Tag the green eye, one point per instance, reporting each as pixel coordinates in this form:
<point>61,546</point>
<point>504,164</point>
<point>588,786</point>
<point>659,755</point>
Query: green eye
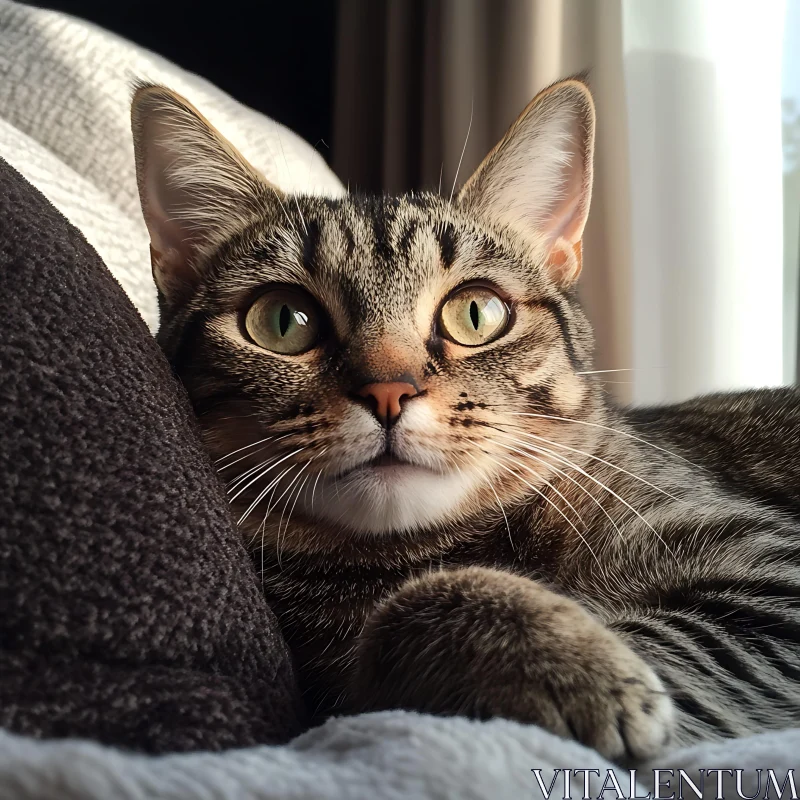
<point>474,316</point>
<point>284,321</point>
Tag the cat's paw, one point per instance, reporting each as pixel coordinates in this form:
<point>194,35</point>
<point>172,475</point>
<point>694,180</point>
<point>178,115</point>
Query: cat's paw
<point>485,643</point>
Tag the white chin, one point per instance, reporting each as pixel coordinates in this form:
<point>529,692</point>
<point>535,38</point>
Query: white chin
<point>402,497</point>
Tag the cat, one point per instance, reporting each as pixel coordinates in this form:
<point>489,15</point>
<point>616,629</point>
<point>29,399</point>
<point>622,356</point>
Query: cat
<point>446,511</point>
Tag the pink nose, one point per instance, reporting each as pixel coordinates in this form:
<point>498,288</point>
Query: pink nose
<point>385,399</point>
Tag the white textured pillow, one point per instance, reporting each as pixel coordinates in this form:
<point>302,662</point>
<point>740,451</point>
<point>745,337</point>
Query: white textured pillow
<point>65,88</point>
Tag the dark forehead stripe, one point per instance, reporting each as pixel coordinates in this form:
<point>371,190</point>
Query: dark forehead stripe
<point>489,249</point>
<point>407,238</point>
<point>446,236</point>
<point>380,213</point>
<point>349,239</point>
<point>310,245</point>
<point>383,219</point>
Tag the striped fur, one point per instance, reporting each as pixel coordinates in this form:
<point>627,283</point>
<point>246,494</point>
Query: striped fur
<point>627,578</point>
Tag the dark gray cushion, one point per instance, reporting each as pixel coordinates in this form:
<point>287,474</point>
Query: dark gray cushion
<point>129,610</point>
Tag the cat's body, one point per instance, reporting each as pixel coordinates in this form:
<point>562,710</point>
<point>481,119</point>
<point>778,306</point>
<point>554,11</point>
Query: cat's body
<point>446,513</point>
<point>717,618</point>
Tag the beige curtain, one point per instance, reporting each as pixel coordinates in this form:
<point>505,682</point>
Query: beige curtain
<point>412,73</point>
<point>683,275</point>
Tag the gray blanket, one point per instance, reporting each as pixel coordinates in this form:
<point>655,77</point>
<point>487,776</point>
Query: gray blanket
<point>390,755</point>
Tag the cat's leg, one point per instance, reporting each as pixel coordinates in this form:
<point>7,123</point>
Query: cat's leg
<point>485,643</point>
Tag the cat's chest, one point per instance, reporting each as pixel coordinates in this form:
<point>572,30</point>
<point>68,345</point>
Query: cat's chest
<point>320,598</point>
<point>322,603</point>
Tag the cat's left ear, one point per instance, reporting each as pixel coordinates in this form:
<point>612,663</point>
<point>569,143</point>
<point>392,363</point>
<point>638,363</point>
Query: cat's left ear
<point>538,180</point>
<point>196,189</point>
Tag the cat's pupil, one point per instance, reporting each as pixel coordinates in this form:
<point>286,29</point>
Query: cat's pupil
<point>474,314</point>
<point>284,319</point>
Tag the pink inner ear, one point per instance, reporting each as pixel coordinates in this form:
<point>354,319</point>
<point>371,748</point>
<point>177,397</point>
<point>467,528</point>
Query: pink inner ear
<point>568,218</point>
<point>565,261</point>
<point>538,180</point>
<point>171,241</point>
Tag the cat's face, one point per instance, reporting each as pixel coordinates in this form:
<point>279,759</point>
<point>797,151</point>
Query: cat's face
<point>372,363</point>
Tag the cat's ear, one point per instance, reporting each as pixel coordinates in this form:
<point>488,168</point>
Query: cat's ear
<point>195,187</point>
<point>538,179</point>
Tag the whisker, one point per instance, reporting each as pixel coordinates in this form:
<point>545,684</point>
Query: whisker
<point>294,196</point>
<point>314,489</point>
<point>246,447</point>
<point>602,371</point>
<point>288,519</point>
<point>601,460</point>
<point>463,149</point>
<point>269,469</point>
<point>574,466</point>
<point>247,473</point>
<point>241,458</point>
<point>503,512</point>
<point>272,485</point>
<point>541,477</point>
<point>548,500</point>
<point>603,427</point>
<point>568,477</point>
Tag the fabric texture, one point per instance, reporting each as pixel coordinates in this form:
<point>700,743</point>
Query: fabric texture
<point>389,755</point>
<point>131,613</point>
<point>65,89</point>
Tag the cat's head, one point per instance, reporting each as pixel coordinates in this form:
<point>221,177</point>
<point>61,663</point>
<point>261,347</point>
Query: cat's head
<point>376,363</point>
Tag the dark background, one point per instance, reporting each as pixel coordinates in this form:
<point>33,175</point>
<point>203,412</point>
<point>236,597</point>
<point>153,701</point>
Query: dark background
<point>273,55</point>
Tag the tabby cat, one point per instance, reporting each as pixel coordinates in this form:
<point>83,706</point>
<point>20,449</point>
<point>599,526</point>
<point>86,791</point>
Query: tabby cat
<point>445,509</point>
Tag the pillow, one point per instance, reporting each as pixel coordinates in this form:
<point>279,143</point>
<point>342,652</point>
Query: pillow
<point>65,125</point>
<point>130,611</point>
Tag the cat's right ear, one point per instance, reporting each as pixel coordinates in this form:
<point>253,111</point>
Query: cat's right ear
<point>196,189</point>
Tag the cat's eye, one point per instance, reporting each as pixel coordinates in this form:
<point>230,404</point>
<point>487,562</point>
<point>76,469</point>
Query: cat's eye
<point>284,320</point>
<point>474,316</point>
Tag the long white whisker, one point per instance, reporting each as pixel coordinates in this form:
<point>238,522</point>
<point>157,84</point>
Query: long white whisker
<point>241,458</point>
<point>273,484</point>
<point>314,489</point>
<point>463,149</point>
<point>496,497</point>
<point>602,371</point>
<point>246,447</point>
<point>603,427</point>
<point>548,500</point>
<point>233,483</point>
<point>288,519</point>
<point>601,460</point>
<point>541,477</point>
<point>568,477</point>
<point>269,469</point>
<point>503,512</point>
<point>574,466</point>
<point>271,505</point>
<point>247,473</point>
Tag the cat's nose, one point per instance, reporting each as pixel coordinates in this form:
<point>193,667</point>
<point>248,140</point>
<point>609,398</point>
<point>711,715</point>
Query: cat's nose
<point>385,399</point>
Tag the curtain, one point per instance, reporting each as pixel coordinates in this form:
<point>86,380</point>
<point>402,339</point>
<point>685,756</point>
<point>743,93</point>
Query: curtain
<point>682,270</point>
